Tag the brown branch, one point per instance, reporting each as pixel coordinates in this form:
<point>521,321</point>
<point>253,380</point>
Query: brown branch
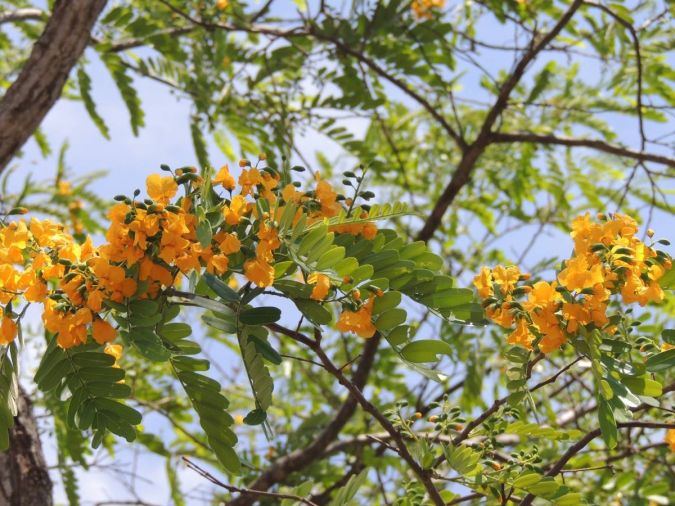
<point>341,46</point>
<point>301,458</point>
<point>506,137</point>
<point>401,85</point>
<point>40,82</point>
<point>125,44</point>
<point>24,479</point>
<point>466,498</point>
<point>470,156</point>
<point>581,444</point>
<point>243,491</point>
<point>27,14</point>
<point>424,475</point>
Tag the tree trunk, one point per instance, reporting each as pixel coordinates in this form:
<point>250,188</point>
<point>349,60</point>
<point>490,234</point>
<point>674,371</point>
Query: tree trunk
<point>44,74</point>
<point>24,478</point>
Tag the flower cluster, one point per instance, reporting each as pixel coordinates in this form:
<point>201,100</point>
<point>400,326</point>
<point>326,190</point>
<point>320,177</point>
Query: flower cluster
<point>360,321</point>
<point>608,260</point>
<point>151,244</point>
<point>423,9</point>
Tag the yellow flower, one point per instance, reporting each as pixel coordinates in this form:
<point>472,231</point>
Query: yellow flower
<point>229,243</point>
<point>269,182</point>
<point>63,188</point>
<point>670,439</point>
<point>235,211</point>
<point>218,264</point>
<point>483,282</point>
<point>321,284</point>
<point>258,271</point>
<point>268,241</point>
<point>103,332</point>
<point>521,336</point>
<point>327,197</point>
<point>248,180</point>
<point>161,189</point>
<point>290,194</point>
<point>579,274</point>
<point>8,330</point>
<point>501,316</point>
<point>543,295</point>
<point>360,321</point>
<point>423,8</point>
<point>506,277</point>
<point>224,178</point>
<point>114,350</point>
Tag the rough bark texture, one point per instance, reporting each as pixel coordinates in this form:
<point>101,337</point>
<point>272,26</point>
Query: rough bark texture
<point>42,78</point>
<point>24,479</point>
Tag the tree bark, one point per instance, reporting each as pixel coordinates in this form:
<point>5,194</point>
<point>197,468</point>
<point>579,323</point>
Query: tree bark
<point>44,74</point>
<point>24,478</point>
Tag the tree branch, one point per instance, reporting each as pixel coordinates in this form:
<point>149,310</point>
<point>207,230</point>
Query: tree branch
<point>599,145</point>
<point>461,175</point>
<point>581,444</point>
<point>243,491</point>
<point>423,474</point>
<point>301,458</point>
<point>27,14</point>
<point>39,85</point>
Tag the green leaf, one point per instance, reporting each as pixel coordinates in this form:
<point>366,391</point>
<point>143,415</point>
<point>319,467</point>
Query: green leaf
<point>210,405</point>
<point>148,343</point>
<point>448,298</point>
<point>667,281</point>
<point>199,143</point>
<point>425,350</point>
<point>399,335</point>
<point>260,315</point>
<point>345,494</point>
<point>221,322</point>
<point>255,417</point>
<point>462,459</point>
<point>643,386</point>
<point>668,336</point>
<point>526,480</point>
<point>390,319</point>
<point>607,423</point>
<point>144,307</point>
<point>314,311</point>
<point>330,258</point>
<point>84,83</point>
<point>388,300</point>
<point>265,349</point>
<point>220,288</point>
<point>259,375</point>
<point>175,331</point>
<point>204,233</point>
<point>124,83</point>
<point>661,361</point>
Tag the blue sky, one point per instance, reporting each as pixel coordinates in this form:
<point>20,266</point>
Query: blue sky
<point>166,139</point>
